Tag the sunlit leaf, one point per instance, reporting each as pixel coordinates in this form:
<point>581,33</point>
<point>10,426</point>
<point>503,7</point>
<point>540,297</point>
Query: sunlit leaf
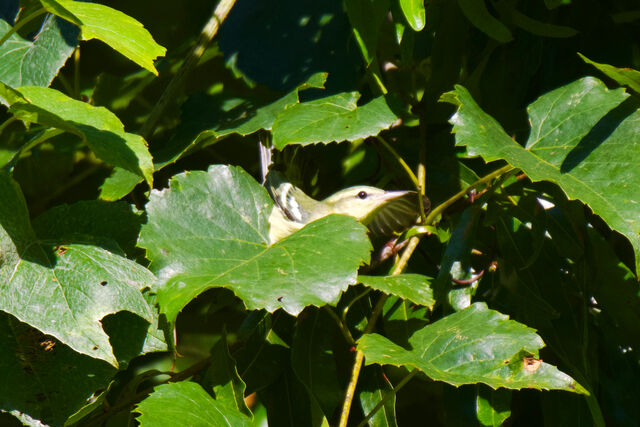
<point>624,76</point>
<point>493,407</point>
<point>334,118</point>
<point>579,140</point>
<point>211,229</point>
<point>100,128</point>
<point>186,403</point>
<point>37,62</point>
<point>414,13</point>
<point>413,287</point>
<point>475,345</point>
<point>65,288</point>
<point>118,30</point>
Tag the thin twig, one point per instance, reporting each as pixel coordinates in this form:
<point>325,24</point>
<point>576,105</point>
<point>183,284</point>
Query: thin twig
<point>208,33</point>
<point>345,331</point>
<point>485,179</point>
<point>357,365</point>
<point>400,266</point>
<point>401,161</point>
<point>345,311</point>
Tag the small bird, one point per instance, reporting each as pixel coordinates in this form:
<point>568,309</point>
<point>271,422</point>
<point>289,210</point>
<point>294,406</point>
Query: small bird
<point>293,209</point>
<point>384,212</point>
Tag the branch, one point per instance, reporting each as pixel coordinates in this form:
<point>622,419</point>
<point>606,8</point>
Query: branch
<point>208,33</point>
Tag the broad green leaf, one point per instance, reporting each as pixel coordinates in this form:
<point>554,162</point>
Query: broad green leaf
<point>100,128</point>
<point>493,406</point>
<point>64,288</point>
<point>205,122</point>
<point>334,118</point>
<point>366,17</point>
<point>413,287</point>
<point>372,388</point>
<point>288,403</point>
<point>624,76</point>
<point>223,379</point>
<point>186,404</point>
<point>42,378</point>
<point>475,345</point>
<point>579,140</point>
<point>263,356</point>
<point>118,30</point>
<point>314,362</point>
<point>476,12</point>
<point>414,12</point>
<point>37,62</point>
<point>211,229</point>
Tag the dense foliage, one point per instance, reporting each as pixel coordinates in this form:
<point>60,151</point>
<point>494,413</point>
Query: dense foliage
<point>138,284</point>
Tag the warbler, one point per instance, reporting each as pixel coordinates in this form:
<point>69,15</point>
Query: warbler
<point>384,212</point>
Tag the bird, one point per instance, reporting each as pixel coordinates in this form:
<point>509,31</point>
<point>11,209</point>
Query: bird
<point>384,212</point>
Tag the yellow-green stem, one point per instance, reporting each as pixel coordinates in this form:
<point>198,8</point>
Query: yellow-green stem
<point>485,179</point>
<point>357,364</point>
<point>388,396</point>
<point>21,23</point>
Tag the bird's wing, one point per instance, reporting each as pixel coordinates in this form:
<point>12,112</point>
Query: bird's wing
<point>397,215</point>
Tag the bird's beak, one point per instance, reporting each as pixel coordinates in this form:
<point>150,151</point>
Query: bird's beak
<point>390,195</point>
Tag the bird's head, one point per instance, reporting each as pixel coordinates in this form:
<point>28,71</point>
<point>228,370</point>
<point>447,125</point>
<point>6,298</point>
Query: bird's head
<point>360,202</point>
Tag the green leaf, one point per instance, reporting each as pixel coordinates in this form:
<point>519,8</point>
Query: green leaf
<point>64,288</point>
<point>366,17</point>
<point>493,406</point>
<point>223,379</point>
<point>42,378</point>
<point>118,30</point>
<point>119,184</point>
<point>288,403</point>
<point>313,359</point>
<point>372,388</point>
<point>37,62</point>
<point>475,345</point>
<point>552,4</point>
<point>476,12</point>
<point>579,140</point>
<point>334,118</point>
<point>201,126</point>
<point>414,12</point>
<point>624,76</point>
<point>186,404</point>
<point>100,128</point>
<point>264,356</point>
<point>413,287</point>
<point>211,229</point>
<point>117,221</point>
<point>534,26</point>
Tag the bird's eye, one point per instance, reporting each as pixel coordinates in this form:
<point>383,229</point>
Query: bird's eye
<point>362,195</point>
